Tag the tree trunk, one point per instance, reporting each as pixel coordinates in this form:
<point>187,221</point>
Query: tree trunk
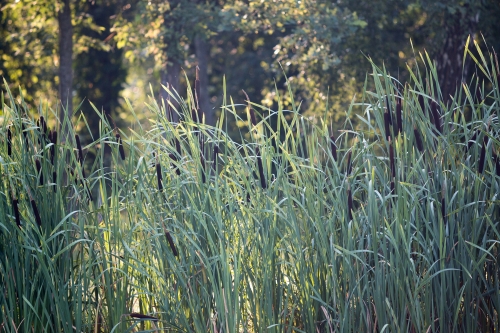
<point>170,74</point>
<point>202,54</point>
<point>450,57</point>
<point>65,60</point>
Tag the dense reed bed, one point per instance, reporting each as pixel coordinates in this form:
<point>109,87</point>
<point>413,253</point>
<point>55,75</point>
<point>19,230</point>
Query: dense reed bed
<point>388,227</point>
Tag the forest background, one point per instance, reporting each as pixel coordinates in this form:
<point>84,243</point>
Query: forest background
<point>107,51</point>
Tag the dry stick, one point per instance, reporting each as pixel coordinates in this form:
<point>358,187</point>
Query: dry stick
<point>142,316</point>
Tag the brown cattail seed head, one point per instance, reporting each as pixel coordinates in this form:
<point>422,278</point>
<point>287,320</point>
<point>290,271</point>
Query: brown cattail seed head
<point>252,117</point>
<point>399,115</point>
<point>482,156</point>
<point>178,147</point>
<point>436,115</point>
<point>39,170</point>
<point>261,168</point>
<point>216,155</point>
<point>418,139</point>
<point>349,164</point>
<point>333,147</point>
<point>25,134</point>
<point>80,150</point>
<point>421,102</point>
<point>349,202</point>
<point>120,146</point>
<point>391,159</point>
<point>159,177</point>
<point>15,206</point>
<point>9,142</point>
<point>172,244</point>
<point>43,125</point>
<point>173,158</point>
<point>36,213</point>
<point>388,106</point>
<point>387,120</point>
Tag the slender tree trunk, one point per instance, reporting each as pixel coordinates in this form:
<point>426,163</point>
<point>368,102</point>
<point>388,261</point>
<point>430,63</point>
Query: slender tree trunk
<point>65,60</point>
<point>170,74</point>
<point>450,57</point>
<point>202,54</point>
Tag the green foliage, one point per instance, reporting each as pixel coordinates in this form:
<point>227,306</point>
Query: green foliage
<point>393,227</point>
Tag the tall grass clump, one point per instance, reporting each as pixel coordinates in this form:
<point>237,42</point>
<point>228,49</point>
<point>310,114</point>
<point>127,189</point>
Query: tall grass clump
<point>389,227</point>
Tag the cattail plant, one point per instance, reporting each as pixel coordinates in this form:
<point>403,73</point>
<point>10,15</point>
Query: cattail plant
<point>197,89</point>
<point>120,146</point>
<point>25,135</point>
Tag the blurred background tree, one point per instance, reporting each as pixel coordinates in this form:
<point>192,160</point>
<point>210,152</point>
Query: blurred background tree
<point>122,46</point>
